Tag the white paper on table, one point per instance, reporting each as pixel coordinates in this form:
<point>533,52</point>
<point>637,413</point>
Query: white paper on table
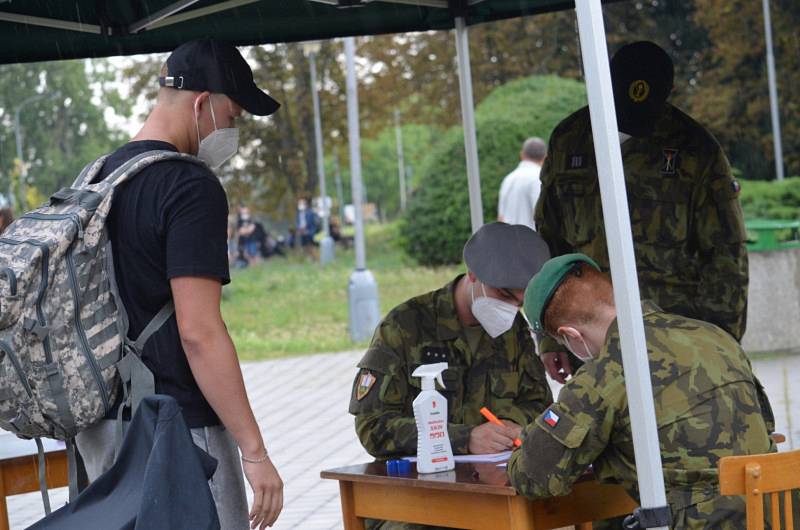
<point>491,457</point>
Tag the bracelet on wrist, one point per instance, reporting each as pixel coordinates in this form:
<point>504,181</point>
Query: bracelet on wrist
<point>256,460</point>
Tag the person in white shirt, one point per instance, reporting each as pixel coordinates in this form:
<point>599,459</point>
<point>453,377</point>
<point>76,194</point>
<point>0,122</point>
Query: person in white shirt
<point>520,189</point>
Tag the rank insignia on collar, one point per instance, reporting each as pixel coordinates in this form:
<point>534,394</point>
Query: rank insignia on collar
<point>576,161</point>
<point>365,382</point>
<point>670,161</point>
<point>551,418</point>
<point>435,355</point>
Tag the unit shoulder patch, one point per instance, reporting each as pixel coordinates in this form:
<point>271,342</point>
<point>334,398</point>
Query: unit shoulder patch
<point>365,383</point>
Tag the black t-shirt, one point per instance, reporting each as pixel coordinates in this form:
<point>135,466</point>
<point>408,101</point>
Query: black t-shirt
<point>170,220</point>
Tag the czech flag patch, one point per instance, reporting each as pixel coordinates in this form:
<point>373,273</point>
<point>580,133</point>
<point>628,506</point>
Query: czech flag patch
<point>551,418</point>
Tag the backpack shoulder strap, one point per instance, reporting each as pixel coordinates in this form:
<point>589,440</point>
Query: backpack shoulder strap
<point>89,172</point>
<point>133,166</point>
<point>154,325</point>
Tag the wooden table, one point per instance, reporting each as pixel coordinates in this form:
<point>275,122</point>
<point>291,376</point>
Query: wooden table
<point>19,469</point>
<point>473,496</point>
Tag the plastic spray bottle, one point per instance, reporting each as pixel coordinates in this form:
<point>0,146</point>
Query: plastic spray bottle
<point>434,452</point>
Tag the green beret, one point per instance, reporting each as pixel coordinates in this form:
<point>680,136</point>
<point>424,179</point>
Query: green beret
<point>544,284</point>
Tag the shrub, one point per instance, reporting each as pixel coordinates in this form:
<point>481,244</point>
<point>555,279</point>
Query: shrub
<point>771,199</point>
<point>437,221</point>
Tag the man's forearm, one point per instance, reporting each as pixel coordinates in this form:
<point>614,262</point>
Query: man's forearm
<point>216,369</point>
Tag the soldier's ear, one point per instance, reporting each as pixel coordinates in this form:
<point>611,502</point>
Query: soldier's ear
<point>472,277</point>
<point>567,331</point>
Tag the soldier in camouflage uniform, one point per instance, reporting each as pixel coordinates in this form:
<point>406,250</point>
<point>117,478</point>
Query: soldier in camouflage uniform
<point>492,361</point>
<point>686,218</point>
<point>706,401</point>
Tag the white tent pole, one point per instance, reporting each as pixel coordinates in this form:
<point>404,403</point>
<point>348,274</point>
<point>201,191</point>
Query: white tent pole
<point>620,250</point>
<point>468,118</point>
<point>773,94</point>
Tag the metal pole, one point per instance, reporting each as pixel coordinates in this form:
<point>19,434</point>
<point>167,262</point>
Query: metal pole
<point>638,382</point>
<point>401,166</point>
<point>355,150</point>
<point>339,192</point>
<point>18,134</point>
<point>327,249</point>
<point>362,290</point>
<point>468,119</point>
<point>773,94</point>
<point>312,59</point>
<point>22,169</point>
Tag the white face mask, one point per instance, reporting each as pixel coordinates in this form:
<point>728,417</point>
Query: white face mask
<point>219,146</point>
<point>496,317</point>
<point>585,358</point>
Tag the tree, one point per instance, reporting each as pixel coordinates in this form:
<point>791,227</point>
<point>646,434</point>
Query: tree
<point>437,222</point>
<point>61,133</point>
<point>735,101</point>
<point>380,166</point>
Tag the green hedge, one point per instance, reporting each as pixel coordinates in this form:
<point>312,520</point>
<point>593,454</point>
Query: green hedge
<point>771,199</point>
<point>437,221</point>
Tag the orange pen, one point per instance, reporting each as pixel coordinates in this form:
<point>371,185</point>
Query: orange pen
<point>493,419</point>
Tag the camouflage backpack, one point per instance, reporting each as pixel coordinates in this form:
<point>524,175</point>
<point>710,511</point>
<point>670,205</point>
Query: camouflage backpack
<point>63,329</point>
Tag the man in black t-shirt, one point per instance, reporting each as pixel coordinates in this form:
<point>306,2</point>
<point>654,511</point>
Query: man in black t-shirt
<point>168,231</point>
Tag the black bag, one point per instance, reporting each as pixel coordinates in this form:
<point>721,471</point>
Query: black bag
<point>158,482</point>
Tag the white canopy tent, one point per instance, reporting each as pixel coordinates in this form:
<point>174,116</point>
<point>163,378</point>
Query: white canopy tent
<point>617,225</point>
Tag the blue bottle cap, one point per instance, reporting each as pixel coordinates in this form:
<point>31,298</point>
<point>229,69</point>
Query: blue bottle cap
<point>403,467</point>
<point>391,467</point>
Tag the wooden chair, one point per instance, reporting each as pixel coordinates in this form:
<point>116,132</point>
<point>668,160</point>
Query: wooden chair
<point>756,475</point>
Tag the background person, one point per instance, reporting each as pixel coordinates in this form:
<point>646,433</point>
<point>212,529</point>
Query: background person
<point>520,189</point>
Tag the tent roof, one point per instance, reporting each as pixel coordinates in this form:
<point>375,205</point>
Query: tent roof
<point>38,30</point>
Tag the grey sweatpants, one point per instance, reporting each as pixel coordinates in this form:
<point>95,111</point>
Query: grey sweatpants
<point>96,446</point>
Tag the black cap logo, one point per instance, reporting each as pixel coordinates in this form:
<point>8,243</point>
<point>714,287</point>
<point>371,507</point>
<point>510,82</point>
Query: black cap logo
<point>639,90</point>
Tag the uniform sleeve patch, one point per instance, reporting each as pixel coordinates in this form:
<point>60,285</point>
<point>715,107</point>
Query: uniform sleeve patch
<point>551,418</point>
<point>562,426</point>
<point>365,383</point>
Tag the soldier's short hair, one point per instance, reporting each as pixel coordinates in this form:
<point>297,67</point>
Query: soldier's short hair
<point>578,299</point>
<point>534,149</point>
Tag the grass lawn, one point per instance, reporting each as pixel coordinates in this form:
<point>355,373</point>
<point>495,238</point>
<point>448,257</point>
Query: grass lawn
<point>293,306</point>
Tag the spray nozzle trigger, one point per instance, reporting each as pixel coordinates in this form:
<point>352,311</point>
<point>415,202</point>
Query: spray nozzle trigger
<point>429,372</point>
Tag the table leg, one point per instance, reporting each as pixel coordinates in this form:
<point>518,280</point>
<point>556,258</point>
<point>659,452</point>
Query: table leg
<point>351,521</point>
<point>3,507</point>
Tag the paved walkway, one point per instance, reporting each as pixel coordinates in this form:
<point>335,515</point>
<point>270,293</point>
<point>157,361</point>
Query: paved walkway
<point>301,404</point>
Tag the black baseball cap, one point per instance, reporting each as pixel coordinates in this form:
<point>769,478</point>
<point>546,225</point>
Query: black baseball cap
<point>641,75</point>
<point>218,67</point>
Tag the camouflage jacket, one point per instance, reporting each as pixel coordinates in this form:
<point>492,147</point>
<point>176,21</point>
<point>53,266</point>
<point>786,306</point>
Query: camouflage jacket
<point>707,407</point>
<point>504,375</point>
<point>687,223</point>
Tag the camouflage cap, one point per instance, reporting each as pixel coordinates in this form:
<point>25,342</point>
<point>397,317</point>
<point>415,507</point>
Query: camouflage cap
<point>505,256</point>
<point>546,282</point>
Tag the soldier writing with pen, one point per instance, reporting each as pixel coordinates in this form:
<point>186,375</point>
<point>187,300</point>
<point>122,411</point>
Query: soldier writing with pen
<point>705,395</point>
<point>473,324</point>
